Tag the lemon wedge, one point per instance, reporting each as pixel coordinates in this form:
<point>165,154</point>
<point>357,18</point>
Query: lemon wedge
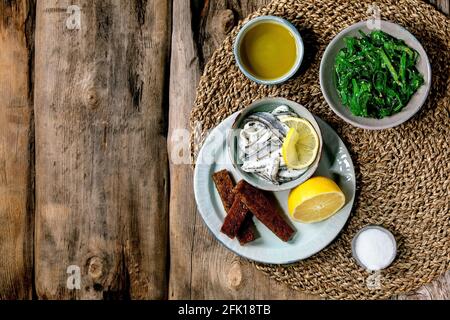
<point>301,145</point>
<point>315,200</point>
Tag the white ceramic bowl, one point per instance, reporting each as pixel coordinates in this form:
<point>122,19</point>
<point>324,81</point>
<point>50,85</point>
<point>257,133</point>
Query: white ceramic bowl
<point>284,23</point>
<point>328,77</point>
<point>268,104</point>
<point>368,227</point>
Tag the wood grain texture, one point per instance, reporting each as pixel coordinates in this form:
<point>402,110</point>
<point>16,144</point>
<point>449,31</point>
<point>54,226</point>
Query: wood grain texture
<point>101,164</point>
<point>200,267</point>
<point>16,116</point>
<point>441,5</point>
<point>437,290</point>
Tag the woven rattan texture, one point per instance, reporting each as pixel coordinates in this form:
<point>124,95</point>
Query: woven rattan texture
<point>403,174</point>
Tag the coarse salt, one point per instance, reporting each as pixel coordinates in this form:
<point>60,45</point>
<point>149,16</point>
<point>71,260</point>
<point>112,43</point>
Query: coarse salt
<point>375,249</point>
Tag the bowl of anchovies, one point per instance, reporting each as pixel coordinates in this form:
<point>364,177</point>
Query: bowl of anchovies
<point>375,77</point>
<point>256,140</point>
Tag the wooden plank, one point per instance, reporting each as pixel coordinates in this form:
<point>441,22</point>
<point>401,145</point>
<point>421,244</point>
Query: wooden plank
<point>201,268</point>
<point>437,290</point>
<point>16,164</point>
<point>441,5</point>
<point>101,164</point>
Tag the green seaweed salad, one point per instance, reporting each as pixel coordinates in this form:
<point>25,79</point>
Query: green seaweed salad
<point>376,74</point>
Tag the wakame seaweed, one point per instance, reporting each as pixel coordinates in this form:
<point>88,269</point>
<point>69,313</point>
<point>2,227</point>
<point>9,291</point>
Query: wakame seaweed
<point>376,74</point>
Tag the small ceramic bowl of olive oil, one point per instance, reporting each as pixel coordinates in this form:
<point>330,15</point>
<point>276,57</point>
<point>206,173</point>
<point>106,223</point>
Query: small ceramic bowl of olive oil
<point>268,50</point>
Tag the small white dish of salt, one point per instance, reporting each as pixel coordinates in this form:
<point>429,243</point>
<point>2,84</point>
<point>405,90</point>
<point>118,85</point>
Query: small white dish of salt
<point>374,248</point>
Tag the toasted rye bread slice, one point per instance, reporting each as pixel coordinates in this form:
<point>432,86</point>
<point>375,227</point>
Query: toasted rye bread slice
<point>264,210</point>
<point>245,230</point>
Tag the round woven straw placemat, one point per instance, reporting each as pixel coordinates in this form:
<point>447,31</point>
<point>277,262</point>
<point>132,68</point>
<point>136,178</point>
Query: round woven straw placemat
<point>403,174</point>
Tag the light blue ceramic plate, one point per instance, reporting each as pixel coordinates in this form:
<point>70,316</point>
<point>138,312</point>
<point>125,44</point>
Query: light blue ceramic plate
<point>309,239</point>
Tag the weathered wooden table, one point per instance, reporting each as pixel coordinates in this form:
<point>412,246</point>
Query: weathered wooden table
<point>91,93</point>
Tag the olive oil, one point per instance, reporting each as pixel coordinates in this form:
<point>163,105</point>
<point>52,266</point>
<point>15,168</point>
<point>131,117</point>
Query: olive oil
<point>268,51</point>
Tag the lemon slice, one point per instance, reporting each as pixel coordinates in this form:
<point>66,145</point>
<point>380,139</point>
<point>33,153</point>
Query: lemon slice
<point>301,144</point>
<point>315,200</point>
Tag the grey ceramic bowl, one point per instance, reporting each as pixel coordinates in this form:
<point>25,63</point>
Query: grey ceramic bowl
<point>328,77</point>
<point>373,226</point>
<point>268,104</point>
<point>284,23</point>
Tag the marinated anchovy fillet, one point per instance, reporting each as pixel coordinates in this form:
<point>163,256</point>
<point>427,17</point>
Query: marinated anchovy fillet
<point>264,210</point>
<point>283,112</point>
<point>260,142</point>
<point>224,185</point>
<point>271,122</point>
